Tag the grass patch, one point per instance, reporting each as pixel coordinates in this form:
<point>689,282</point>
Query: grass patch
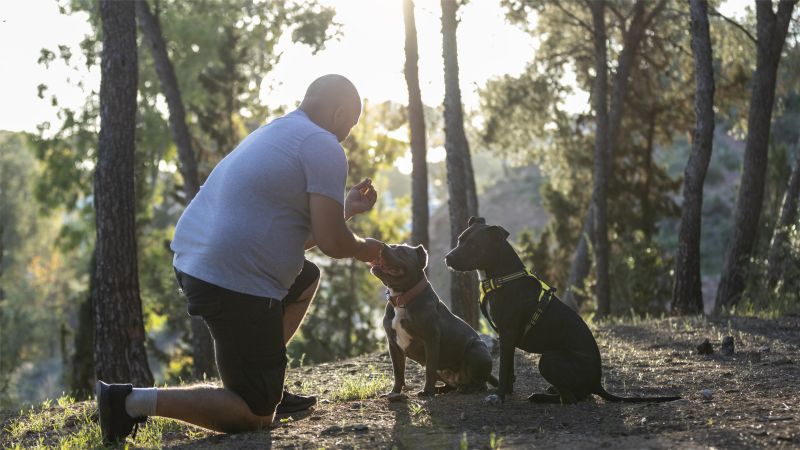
<point>362,386</point>
<point>69,425</point>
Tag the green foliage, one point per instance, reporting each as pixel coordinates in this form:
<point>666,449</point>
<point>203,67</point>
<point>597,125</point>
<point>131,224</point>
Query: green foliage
<point>526,118</point>
<point>38,281</point>
<point>641,275</point>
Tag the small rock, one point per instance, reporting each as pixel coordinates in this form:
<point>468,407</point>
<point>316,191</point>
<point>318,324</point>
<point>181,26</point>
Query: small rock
<point>643,421</point>
<point>298,383</point>
<point>705,348</point>
<point>396,396</point>
<point>463,415</point>
<point>492,400</point>
<point>356,405</point>
<point>707,394</point>
<point>324,401</point>
<point>360,427</point>
<point>315,418</point>
<point>727,346</point>
<point>764,349</point>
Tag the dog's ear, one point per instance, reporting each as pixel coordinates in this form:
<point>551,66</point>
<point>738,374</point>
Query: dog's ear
<point>500,232</point>
<point>422,256</point>
<point>473,220</point>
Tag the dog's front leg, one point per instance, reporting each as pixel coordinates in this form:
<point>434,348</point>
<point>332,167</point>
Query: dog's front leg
<point>432,344</point>
<point>398,366</point>
<point>506,371</point>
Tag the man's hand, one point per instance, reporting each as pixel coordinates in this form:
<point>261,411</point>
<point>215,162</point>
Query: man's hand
<point>369,250</point>
<point>360,199</point>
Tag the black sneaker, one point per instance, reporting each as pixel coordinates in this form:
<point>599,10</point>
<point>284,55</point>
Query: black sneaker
<point>293,403</point>
<point>115,423</point>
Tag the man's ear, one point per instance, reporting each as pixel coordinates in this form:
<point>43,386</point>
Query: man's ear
<point>422,256</point>
<point>500,231</point>
<point>473,220</point>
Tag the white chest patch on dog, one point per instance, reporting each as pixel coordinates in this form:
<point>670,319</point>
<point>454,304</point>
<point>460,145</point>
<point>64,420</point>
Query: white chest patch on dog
<point>402,336</point>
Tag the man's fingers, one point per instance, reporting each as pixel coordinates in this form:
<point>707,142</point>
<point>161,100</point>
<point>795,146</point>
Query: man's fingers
<point>372,195</point>
<point>366,182</point>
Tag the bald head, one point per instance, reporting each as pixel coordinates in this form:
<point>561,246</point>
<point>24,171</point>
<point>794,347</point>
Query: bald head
<point>333,103</point>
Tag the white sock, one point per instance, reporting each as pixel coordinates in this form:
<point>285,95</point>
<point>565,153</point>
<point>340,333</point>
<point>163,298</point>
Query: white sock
<point>141,402</point>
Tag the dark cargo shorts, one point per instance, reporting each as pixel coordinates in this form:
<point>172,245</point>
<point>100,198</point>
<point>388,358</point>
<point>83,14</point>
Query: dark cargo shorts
<point>248,336</point>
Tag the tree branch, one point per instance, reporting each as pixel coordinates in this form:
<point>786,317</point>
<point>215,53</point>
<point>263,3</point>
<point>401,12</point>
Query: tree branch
<point>573,16</point>
<point>714,12</point>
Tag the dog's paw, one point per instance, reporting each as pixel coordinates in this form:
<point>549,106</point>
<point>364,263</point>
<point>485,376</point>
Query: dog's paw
<point>394,396</point>
<point>493,400</point>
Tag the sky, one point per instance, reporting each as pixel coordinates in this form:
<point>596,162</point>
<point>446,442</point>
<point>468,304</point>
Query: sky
<point>370,53</point>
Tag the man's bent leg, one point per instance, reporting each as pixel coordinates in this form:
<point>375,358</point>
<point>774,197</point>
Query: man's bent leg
<point>297,301</point>
<point>250,354</point>
<point>217,409</point>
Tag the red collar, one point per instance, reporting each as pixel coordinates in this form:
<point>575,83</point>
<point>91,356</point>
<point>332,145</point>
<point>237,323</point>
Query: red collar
<point>403,299</point>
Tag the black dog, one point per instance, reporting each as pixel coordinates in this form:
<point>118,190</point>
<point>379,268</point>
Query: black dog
<point>420,326</point>
<point>529,316</point>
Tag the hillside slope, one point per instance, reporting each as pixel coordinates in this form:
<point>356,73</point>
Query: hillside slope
<point>751,401</point>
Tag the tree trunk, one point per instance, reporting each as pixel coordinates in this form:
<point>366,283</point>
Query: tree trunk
<point>648,225</point>
<point>81,379</point>
<point>601,162</point>
<point>780,237</point>
<point>202,344</point>
<point>581,263</point>
<point>687,294</point>
<point>771,28</point>
<point>463,286</point>
<point>119,330</point>
<point>416,123</point>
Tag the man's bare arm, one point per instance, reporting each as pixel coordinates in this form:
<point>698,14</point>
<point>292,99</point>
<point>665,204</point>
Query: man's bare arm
<point>330,233</point>
<point>360,199</point>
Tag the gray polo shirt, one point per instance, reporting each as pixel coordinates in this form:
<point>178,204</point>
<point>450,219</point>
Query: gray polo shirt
<point>246,228</point>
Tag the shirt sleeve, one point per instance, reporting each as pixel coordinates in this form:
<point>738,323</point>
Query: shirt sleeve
<point>324,165</point>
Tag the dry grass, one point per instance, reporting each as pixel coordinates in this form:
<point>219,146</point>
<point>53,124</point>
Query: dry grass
<point>755,395</point>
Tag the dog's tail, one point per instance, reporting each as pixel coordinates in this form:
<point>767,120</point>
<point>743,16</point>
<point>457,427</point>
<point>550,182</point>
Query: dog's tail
<point>613,398</point>
<point>493,381</point>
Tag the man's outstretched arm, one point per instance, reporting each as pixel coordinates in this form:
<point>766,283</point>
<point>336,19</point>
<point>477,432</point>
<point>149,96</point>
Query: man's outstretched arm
<point>330,232</point>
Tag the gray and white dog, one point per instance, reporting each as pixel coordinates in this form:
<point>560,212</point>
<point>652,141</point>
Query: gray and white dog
<point>419,326</point>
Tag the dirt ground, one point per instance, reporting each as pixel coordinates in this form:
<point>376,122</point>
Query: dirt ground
<point>752,398</point>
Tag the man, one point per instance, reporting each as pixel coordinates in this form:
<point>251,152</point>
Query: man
<point>239,260</point>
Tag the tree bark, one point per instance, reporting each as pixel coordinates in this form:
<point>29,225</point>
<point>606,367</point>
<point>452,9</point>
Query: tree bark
<point>119,330</point>
<point>771,32</point>
<point>687,294</point>
<point>202,344</point>
<point>416,123</point>
<point>81,379</point>
<point>581,263</point>
<point>780,237</point>
<point>463,286</point>
<point>601,162</point>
